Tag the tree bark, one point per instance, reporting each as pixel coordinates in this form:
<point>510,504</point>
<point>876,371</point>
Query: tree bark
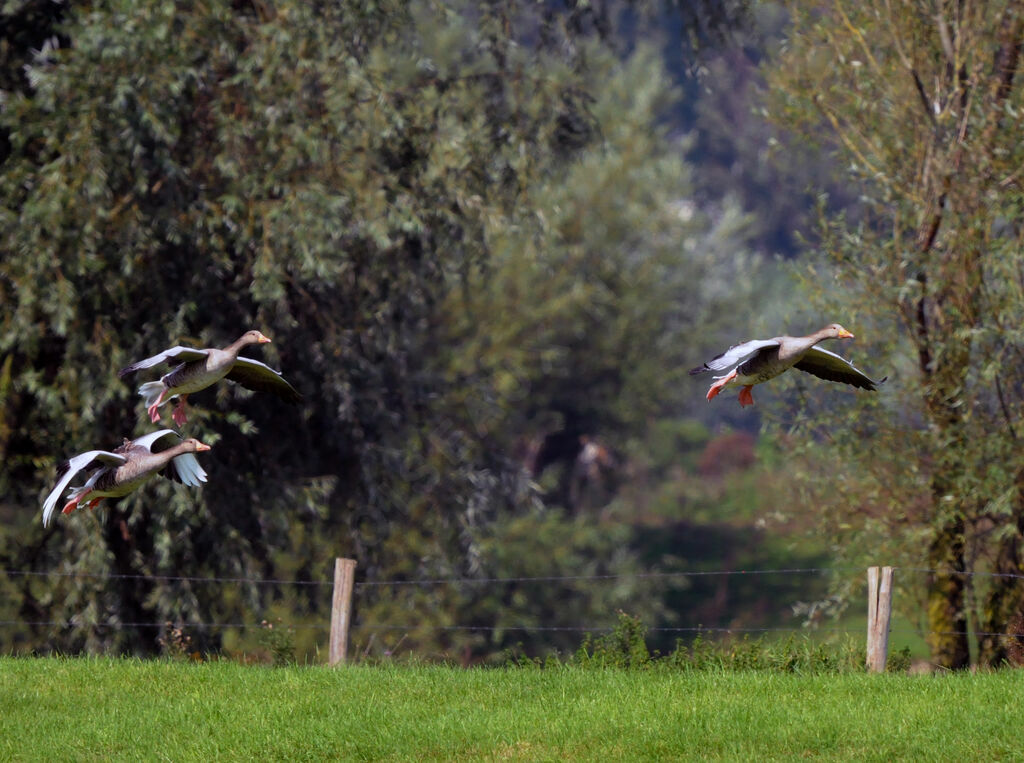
<point>1006,594</point>
<point>947,616</point>
<point>1005,598</point>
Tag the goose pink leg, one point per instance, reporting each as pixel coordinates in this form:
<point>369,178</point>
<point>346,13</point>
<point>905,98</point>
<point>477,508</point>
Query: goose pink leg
<point>746,396</point>
<point>719,385</point>
<point>154,414</point>
<point>179,414</point>
<point>72,505</point>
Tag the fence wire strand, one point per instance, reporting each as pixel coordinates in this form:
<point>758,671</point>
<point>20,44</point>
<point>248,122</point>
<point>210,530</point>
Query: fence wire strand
<point>427,581</point>
<point>490,580</point>
<point>376,584</point>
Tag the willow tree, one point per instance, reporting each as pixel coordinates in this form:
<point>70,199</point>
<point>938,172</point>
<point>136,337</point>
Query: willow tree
<point>438,212</point>
<point>921,103</point>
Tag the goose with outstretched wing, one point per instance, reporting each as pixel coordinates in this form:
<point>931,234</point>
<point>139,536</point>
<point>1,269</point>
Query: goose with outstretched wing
<point>118,472</point>
<point>759,360</point>
<point>201,368</point>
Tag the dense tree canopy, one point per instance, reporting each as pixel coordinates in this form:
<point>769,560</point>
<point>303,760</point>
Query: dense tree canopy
<point>462,227</point>
<point>921,101</point>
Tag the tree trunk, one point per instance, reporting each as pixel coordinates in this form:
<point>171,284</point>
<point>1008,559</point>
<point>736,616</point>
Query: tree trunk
<point>947,616</point>
<point>1005,599</point>
<point>947,584</point>
<point>130,590</point>
<point>1003,602</point>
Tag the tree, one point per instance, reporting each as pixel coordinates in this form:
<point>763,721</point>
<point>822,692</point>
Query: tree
<point>919,102</point>
<point>450,220</point>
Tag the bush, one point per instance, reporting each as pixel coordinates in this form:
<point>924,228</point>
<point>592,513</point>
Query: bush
<point>623,647</point>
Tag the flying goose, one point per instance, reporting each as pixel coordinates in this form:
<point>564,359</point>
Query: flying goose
<point>200,369</point>
<point>123,470</point>
<point>763,359</point>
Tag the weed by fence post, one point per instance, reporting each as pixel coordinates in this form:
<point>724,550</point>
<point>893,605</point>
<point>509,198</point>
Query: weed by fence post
<point>879,613</point>
<point>341,609</point>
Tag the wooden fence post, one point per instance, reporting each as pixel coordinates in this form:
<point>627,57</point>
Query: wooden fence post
<point>341,609</point>
<point>879,614</point>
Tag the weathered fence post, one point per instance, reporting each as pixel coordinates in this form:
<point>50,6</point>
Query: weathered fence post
<point>341,609</point>
<point>879,614</point>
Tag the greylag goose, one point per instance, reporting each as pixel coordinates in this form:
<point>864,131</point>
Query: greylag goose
<point>763,359</point>
<point>201,368</point>
<point>123,470</point>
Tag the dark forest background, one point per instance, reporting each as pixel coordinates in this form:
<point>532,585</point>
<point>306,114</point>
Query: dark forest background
<point>488,240</point>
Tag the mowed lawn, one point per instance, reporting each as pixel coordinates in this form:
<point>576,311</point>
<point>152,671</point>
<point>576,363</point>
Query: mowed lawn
<point>99,708</point>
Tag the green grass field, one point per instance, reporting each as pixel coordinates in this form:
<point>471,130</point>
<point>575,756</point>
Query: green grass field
<point>99,708</point>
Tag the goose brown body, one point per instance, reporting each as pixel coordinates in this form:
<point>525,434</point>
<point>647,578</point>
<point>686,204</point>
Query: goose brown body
<point>123,470</point>
<point>759,360</point>
<point>201,368</point>
<point>140,466</point>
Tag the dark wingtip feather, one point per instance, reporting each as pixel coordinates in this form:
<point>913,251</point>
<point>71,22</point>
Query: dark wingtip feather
<point>289,394</point>
<point>699,369</point>
<point>876,382</point>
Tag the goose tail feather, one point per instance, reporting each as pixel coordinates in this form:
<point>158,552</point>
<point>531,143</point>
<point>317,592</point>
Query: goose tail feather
<point>150,392</point>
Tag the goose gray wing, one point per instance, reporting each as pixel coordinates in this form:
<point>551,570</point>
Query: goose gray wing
<point>173,355</point>
<point>68,469</point>
<point>167,438</point>
<point>260,377</point>
<point>831,367</point>
<point>734,355</point>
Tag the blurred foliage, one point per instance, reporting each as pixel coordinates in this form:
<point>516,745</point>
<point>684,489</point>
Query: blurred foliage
<point>920,109</point>
<point>467,230</point>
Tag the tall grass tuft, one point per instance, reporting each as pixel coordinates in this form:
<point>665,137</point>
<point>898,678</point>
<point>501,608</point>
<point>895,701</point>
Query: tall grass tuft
<point>625,647</point>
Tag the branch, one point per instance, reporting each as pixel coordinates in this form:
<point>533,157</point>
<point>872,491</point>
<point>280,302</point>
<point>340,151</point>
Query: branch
<point>1006,411</point>
<point>909,66</point>
<point>1007,60</point>
<point>924,353</point>
<point>850,145</point>
<point>859,36</point>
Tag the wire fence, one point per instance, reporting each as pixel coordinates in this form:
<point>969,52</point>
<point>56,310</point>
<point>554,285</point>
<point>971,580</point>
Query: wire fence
<point>432,581</point>
<point>463,581</point>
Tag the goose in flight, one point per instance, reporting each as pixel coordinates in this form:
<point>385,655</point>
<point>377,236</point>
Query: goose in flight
<point>201,368</point>
<point>118,472</point>
<point>759,360</point>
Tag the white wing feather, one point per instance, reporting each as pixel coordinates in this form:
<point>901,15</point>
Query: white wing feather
<point>738,353</point>
<point>189,470</point>
<point>149,440</point>
<point>75,465</point>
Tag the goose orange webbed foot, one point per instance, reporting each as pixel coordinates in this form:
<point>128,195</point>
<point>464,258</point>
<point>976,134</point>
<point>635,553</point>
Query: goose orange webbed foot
<point>746,396</point>
<point>154,412</point>
<point>179,415</point>
<point>719,385</point>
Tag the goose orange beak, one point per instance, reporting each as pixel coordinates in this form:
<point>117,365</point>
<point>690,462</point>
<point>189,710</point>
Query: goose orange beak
<point>844,334</point>
<point>202,446</point>
<point>263,339</point>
